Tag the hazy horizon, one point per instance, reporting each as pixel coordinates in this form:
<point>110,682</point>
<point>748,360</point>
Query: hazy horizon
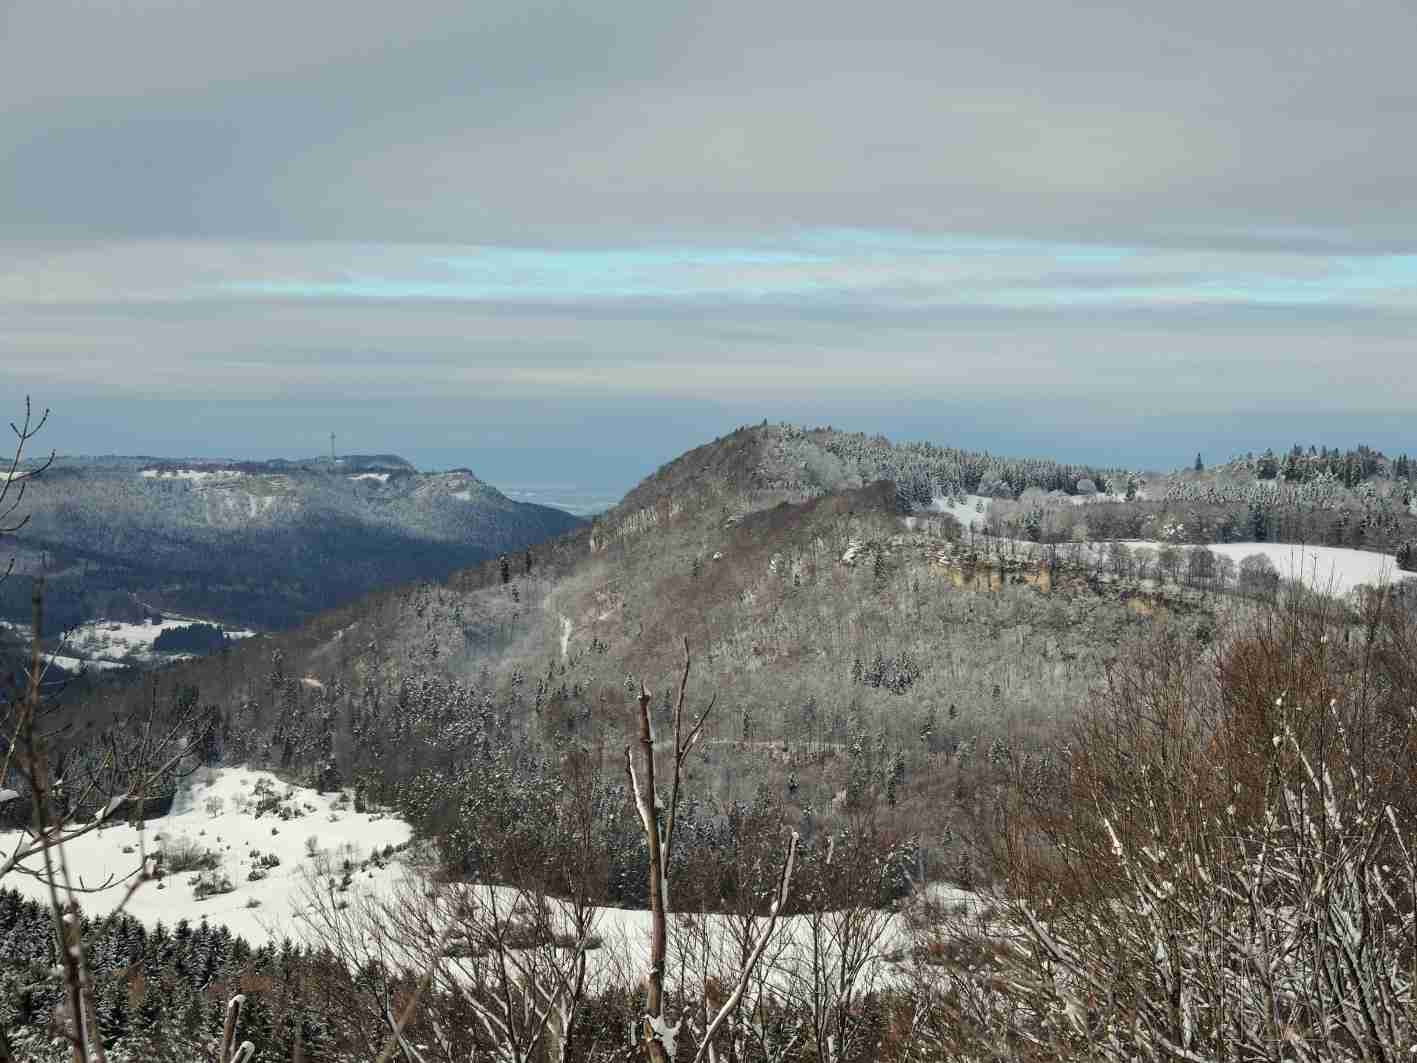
<point>525,453</point>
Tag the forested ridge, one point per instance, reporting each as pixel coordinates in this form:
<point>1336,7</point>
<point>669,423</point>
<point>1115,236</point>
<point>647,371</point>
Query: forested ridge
<point>257,544</point>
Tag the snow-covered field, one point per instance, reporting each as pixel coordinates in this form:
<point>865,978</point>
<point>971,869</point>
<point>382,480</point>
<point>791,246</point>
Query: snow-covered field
<point>622,950</point>
<point>1332,569</point>
<point>216,810</point>
<point>113,640</point>
<point>1323,568</point>
<point>973,508</point>
<point>75,664</point>
<point>195,475</point>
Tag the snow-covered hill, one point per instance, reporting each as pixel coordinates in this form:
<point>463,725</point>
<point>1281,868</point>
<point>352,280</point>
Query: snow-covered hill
<point>247,822</point>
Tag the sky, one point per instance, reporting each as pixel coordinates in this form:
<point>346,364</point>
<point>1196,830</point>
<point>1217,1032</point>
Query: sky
<point>562,242</point>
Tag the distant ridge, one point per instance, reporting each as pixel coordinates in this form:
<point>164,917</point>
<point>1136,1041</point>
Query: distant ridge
<point>256,543</point>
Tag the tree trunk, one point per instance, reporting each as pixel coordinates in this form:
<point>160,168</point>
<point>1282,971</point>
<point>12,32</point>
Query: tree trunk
<point>650,815</point>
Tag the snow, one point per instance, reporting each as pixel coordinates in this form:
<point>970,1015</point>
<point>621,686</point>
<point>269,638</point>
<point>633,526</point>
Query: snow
<point>466,496</point>
<point>76,664</point>
<point>113,640</point>
<point>1329,569</point>
<point>382,477</point>
<point>194,475</point>
<point>972,509</point>
<point>624,935</point>
<point>1333,569</point>
<point>1322,568</point>
<point>666,1034</point>
<point>233,832</point>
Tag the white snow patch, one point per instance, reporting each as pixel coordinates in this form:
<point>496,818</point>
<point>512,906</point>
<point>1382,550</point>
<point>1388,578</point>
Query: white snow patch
<point>114,640</point>
<point>194,475</point>
<point>972,509</point>
<point>1331,569</point>
<point>1323,568</point>
<point>76,664</point>
<point>382,477</point>
<point>232,833</point>
<point>466,496</point>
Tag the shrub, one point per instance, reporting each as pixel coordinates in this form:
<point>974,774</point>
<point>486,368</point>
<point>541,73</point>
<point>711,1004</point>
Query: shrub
<point>182,853</point>
<point>1258,575</point>
<point>1407,557</point>
<point>212,883</point>
<point>1152,918</point>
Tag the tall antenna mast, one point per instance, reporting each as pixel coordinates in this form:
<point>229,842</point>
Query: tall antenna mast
<point>332,446</point>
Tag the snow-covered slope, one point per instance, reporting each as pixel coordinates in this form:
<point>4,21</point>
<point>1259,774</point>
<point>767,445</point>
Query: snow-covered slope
<point>973,508</point>
<point>217,811</point>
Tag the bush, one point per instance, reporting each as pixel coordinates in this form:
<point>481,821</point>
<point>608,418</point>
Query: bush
<point>1407,557</point>
<point>187,854</point>
<point>1140,888</point>
<point>1258,575</point>
<point>212,883</point>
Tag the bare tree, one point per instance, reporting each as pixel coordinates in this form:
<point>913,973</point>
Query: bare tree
<point>17,483</point>
<point>505,962</point>
<point>840,958</point>
<point>360,969</point>
<point>714,947</point>
<point>659,1035</point>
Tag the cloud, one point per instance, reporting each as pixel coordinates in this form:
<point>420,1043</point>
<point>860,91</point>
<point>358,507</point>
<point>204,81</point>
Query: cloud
<point>471,123</point>
<point>1153,205</point>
